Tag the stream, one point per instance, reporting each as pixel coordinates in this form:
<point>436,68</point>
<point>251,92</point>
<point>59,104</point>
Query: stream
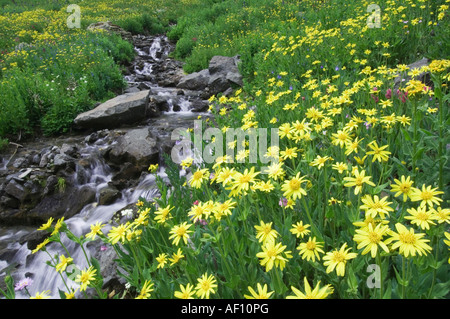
<point>95,173</point>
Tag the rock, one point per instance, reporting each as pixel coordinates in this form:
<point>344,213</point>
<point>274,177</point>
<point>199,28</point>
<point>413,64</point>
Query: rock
<point>112,28</point>
<point>9,202</point>
<point>69,150</point>
<point>107,195</point>
<point>16,190</point>
<point>58,205</point>
<point>137,146</point>
<point>195,81</point>
<point>221,75</point>
<point>124,109</point>
<point>50,185</point>
<point>34,238</point>
<point>61,161</point>
<point>423,77</point>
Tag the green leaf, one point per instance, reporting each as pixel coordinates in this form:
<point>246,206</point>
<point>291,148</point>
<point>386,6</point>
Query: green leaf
<point>406,134</point>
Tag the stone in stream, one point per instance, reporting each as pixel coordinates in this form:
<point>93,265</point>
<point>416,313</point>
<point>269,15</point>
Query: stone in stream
<point>137,146</point>
<point>124,109</point>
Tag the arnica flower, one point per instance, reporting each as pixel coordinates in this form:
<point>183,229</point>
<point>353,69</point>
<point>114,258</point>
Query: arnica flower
<point>275,171</point>
<point>225,175</point>
<point>337,259</point>
<point>408,243</point>
<point>374,206</point>
<point>421,217</point>
<point>41,246</point>
<point>264,232</point>
<point>223,209</point>
<point>185,292</point>
<point>118,233</point>
<point>176,257</point>
<point>63,263</point>
<point>241,181</point>
<point>311,249</point>
<point>179,232</point>
<point>86,277</point>
<point>42,295</point>
<point>47,225</point>
<point>379,154</point>
<point>319,161</point>
<point>95,230</point>
<point>147,288</point>
<point>206,286</point>
<point>426,196</point>
<point>442,215</point>
<point>370,238</point>
<point>317,293</point>
<point>261,294</point>
<point>198,211</point>
<point>198,177</point>
<point>271,255</point>
<point>162,260</point>
<point>299,229</point>
<point>292,188</point>
<point>402,187</point>
<point>358,181</point>
<point>447,242</point>
<point>163,214</point>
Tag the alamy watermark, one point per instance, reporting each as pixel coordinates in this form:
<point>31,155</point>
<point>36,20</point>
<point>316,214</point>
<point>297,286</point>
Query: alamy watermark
<point>374,20</point>
<point>74,20</point>
<point>207,145</point>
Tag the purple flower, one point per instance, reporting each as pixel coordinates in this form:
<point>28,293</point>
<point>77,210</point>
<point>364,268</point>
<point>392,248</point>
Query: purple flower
<point>103,248</point>
<point>336,68</point>
<point>23,284</point>
<point>283,202</point>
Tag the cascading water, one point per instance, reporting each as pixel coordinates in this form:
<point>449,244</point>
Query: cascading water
<point>34,265</point>
<point>97,175</point>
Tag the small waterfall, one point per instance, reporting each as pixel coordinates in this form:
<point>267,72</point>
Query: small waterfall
<point>92,170</point>
<point>97,174</point>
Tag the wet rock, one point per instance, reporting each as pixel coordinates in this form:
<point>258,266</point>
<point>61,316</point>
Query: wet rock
<point>9,202</point>
<point>60,204</point>
<point>17,190</point>
<point>107,195</point>
<point>195,81</point>
<point>124,109</point>
<point>137,146</point>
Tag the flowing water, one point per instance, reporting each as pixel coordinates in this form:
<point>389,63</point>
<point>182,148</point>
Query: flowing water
<point>97,175</point>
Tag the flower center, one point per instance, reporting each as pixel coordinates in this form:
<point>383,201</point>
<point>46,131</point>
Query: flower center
<point>338,257</point>
<point>404,188</point>
<point>422,216</point>
<point>198,175</point>
<point>407,238</point>
<point>358,181</point>
<point>310,245</point>
<point>374,237</point>
<point>426,195</point>
<point>294,184</point>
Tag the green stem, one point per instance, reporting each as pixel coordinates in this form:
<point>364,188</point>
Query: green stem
<point>378,258</point>
<point>414,140</point>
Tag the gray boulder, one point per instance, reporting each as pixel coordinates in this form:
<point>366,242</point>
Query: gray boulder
<point>127,108</point>
<point>221,75</point>
<point>137,146</point>
<point>404,77</point>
